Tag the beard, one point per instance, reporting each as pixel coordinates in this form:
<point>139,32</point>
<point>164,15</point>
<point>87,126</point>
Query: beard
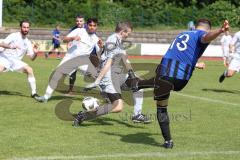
<point>24,32</point>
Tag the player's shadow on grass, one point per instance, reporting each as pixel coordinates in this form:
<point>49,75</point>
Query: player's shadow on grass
<point>136,138</point>
<point>11,93</point>
<point>110,121</point>
<point>221,90</point>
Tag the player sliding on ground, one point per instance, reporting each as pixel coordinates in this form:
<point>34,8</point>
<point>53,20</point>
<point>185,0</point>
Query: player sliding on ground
<point>111,77</point>
<point>176,68</point>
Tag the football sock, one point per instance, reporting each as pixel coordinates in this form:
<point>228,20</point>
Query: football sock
<point>163,120</point>
<point>148,83</point>
<point>48,93</point>
<point>72,80</point>
<point>105,109</point>
<point>225,73</point>
<point>138,101</point>
<point>32,82</point>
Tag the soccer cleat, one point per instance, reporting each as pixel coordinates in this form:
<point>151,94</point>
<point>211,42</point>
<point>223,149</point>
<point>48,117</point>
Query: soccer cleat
<point>132,83</point>
<point>34,95</point>
<point>79,119</point>
<point>221,78</point>
<point>41,99</point>
<point>141,118</point>
<point>168,144</point>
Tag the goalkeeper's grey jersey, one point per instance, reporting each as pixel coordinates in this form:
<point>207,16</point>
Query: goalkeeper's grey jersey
<point>236,42</point>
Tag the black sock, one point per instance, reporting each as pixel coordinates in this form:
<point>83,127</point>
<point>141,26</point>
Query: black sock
<point>148,83</point>
<point>163,120</point>
<point>72,80</point>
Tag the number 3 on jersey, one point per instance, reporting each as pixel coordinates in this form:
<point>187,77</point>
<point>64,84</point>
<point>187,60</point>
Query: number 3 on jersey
<point>182,45</point>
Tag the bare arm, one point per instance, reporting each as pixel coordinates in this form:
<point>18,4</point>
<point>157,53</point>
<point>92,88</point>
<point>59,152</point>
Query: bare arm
<point>4,45</point>
<point>104,70</point>
<point>214,34</point>
<point>126,62</point>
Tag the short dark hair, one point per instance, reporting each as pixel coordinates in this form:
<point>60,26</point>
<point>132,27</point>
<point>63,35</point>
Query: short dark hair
<point>204,21</point>
<point>79,16</point>
<point>123,26</point>
<point>24,21</point>
<point>90,20</point>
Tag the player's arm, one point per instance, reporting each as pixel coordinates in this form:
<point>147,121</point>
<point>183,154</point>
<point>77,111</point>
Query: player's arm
<point>73,35</point>
<point>214,34</point>
<point>102,73</point>
<point>32,51</point>
<point>7,46</point>
<point>126,62</point>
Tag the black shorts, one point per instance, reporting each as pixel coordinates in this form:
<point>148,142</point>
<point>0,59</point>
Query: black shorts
<point>55,46</point>
<point>163,92</point>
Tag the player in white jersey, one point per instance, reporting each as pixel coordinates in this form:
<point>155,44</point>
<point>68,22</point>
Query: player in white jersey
<point>225,42</point>
<point>11,60</point>
<point>111,76</point>
<point>83,41</point>
<point>234,65</point>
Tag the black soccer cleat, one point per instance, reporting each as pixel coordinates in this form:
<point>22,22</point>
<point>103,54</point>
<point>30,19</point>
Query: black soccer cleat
<point>168,144</point>
<point>141,118</point>
<point>221,78</point>
<point>34,95</point>
<point>132,83</point>
<point>79,119</point>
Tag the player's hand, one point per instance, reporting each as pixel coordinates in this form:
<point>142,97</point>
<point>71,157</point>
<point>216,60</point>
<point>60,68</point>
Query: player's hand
<point>91,85</point>
<point>76,38</point>
<point>225,26</point>
<point>200,65</point>
<point>100,43</point>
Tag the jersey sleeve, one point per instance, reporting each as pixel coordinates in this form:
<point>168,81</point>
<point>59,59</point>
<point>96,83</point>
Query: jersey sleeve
<point>234,39</point>
<point>9,39</point>
<point>76,32</point>
<point>222,39</point>
<point>29,49</point>
<point>111,42</point>
<point>201,34</point>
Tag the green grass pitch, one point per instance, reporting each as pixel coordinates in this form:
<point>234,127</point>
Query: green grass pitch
<point>205,120</point>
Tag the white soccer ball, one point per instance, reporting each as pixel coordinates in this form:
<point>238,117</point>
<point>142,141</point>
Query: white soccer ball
<point>90,104</point>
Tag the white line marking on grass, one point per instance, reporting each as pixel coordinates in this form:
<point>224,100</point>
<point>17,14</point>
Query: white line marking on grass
<point>135,155</point>
<point>206,99</point>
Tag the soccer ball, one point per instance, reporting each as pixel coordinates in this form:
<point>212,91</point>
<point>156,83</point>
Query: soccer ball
<point>90,104</point>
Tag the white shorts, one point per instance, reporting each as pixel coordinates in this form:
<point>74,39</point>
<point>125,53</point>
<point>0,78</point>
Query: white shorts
<point>12,64</point>
<point>113,85</point>
<point>235,64</point>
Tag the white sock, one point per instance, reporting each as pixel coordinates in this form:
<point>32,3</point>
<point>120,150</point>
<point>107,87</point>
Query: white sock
<point>48,93</point>
<point>32,82</point>
<point>138,102</point>
<point>225,73</point>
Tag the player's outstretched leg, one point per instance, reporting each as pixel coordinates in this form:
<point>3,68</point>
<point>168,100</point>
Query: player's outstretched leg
<point>115,106</point>
<point>85,115</point>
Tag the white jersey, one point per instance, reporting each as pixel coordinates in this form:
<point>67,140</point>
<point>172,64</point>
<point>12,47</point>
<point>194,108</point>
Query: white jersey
<point>16,39</point>
<point>236,42</point>
<point>225,40</point>
<point>86,44</point>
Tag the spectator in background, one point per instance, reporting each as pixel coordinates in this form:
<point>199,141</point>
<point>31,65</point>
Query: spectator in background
<point>191,25</point>
<point>56,42</point>
<point>225,42</point>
